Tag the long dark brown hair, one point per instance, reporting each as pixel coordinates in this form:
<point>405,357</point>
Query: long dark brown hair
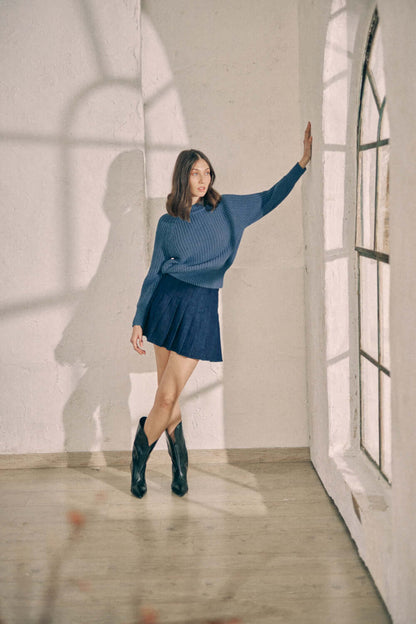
<point>179,201</point>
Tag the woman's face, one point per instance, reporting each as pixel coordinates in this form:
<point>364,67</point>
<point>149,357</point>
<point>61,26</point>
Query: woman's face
<point>199,179</point>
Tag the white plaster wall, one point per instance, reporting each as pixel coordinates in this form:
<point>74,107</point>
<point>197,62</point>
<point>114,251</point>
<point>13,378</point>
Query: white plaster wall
<point>100,97</point>
<point>332,41</point>
<point>71,143</point>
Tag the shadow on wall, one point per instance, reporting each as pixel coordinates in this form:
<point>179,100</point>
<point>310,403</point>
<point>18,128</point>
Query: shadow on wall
<point>97,416</point>
<point>96,337</point>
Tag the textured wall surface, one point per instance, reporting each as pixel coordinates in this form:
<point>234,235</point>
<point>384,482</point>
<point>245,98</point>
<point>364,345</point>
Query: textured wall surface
<point>100,97</point>
<point>72,144</point>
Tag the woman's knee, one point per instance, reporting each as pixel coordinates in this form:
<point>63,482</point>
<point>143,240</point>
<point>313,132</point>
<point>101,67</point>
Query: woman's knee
<point>165,400</point>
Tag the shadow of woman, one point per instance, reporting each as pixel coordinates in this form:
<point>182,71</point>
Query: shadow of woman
<point>96,416</point>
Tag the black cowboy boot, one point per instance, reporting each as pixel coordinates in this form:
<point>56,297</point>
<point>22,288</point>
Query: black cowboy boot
<point>179,455</point>
<point>140,454</point>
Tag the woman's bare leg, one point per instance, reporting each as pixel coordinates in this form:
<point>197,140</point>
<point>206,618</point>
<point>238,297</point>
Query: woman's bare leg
<point>162,357</point>
<point>176,373</point>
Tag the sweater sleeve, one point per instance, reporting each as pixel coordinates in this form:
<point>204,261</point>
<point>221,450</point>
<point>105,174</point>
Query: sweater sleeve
<point>250,208</point>
<point>153,276</point>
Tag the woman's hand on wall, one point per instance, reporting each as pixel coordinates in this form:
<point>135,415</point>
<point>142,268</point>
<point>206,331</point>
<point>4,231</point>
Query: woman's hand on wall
<point>137,339</point>
<point>307,147</point>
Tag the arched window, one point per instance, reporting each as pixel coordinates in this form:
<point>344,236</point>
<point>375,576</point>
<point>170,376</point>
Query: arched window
<point>372,246</point>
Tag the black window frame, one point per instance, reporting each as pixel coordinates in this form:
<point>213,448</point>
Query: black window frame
<point>367,252</point>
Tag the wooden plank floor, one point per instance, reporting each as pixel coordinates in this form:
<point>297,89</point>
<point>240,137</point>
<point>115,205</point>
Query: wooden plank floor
<point>257,542</point>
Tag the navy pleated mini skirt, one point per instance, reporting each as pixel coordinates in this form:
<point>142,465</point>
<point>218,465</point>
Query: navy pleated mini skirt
<point>184,318</point>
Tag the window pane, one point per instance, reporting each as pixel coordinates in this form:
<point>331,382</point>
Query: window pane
<point>366,198</point>
<point>377,64</point>
<point>369,408</point>
<point>368,306</point>
<point>369,115</point>
<point>385,124</point>
<point>384,273</point>
<point>383,199</point>
<point>385,425</point>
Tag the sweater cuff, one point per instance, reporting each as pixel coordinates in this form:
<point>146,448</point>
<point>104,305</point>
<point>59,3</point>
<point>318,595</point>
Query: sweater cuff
<point>138,319</point>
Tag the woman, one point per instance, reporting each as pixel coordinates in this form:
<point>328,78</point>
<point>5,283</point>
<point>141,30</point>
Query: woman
<point>195,243</point>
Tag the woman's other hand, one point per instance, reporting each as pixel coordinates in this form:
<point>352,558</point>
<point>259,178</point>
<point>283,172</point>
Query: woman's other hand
<point>307,146</point>
<point>137,339</point>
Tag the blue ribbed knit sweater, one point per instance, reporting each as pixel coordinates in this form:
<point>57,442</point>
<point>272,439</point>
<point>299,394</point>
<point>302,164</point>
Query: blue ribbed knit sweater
<point>199,251</point>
